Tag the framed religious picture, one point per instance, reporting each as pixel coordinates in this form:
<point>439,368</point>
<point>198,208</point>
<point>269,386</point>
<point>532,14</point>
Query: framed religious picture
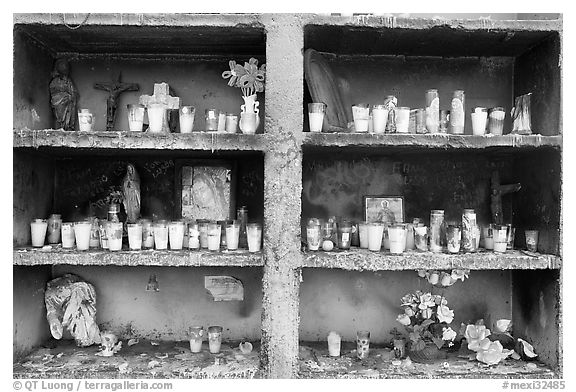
<point>205,189</point>
<point>387,209</point>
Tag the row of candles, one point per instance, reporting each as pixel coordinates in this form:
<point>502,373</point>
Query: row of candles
<point>161,235</point>
<point>390,118</point>
<point>216,121</point>
<point>400,237</point>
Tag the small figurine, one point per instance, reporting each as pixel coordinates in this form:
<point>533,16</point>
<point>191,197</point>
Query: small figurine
<point>114,88</point>
<point>131,190</point>
<point>63,96</point>
<point>110,344</point>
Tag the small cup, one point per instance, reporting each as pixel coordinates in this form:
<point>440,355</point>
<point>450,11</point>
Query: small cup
<point>114,234</point>
<point>479,118</point>
<point>334,343</point>
<point>176,234</point>
<point>38,228</point>
<point>82,235</point>
<point>160,235</point>
<point>231,123</point>
<point>362,344</point>
<point>134,236</point>
<point>316,111</point>
<point>402,119</point>
<point>531,240</point>
<point>232,235</point>
<point>214,338</point>
<point>85,120</point>
<point>68,239</point>
<point>187,114</point>
<point>196,337</point>
<point>375,233</point>
<point>135,117</point>
<point>254,236</point>
<point>214,231</point>
<point>361,116</point>
<point>379,118</point>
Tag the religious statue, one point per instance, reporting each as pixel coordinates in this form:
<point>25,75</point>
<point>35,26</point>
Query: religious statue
<point>131,190</point>
<point>114,88</point>
<point>63,96</point>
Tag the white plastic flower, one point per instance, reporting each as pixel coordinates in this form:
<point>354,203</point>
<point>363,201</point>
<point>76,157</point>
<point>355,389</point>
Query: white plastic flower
<point>423,273</point>
<point>477,337</point>
<point>445,315</point>
<point>448,334</point>
<point>403,319</point>
<point>426,301</point>
<point>460,274</point>
<point>446,279</point>
<point>409,311</point>
<point>426,313</point>
<point>433,278</point>
<point>493,354</point>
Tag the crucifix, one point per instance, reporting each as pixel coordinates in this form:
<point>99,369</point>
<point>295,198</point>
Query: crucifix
<point>162,95</point>
<point>114,88</point>
<point>497,191</point>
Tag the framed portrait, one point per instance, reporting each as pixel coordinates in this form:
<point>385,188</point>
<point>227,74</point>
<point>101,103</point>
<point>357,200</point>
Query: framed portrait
<point>387,209</point>
<point>205,189</point>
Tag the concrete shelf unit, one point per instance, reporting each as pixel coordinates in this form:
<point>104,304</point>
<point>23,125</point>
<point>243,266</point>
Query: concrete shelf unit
<point>493,61</point>
<point>286,175</point>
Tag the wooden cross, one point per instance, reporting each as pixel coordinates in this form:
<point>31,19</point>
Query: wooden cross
<point>497,191</point>
<point>114,88</point>
<point>162,95</point>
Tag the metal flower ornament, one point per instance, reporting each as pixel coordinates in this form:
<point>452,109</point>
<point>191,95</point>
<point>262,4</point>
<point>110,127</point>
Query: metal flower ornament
<point>249,78</point>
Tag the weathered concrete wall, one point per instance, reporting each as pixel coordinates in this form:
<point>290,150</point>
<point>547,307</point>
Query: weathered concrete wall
<point>282,189</point>
<point>33,187</point>
<point>536,313</point>
<point>197,83</point>
<point>487,81</point>
<point>344,301</point>
<point>30,328</point>
<point>31,98</point>
<point>126,308</point>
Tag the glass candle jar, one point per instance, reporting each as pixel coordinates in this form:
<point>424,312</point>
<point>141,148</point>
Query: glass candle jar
<point>344,234</point>
<point>196,337</point>
<point>85,120</point>
<point>203,232</point>
<point>211,116</point>
<point>94,234</point>
<point>214,231</point>
<point>487,235</point>
<point>334,342</point>
<point>135,117</point>
<point>187,114</point>
<point>444,120</point>
<point>214,339</point>
<point>421,238</point>
<point>531,240</point>
<point>82,235</point>
<point>363,234</point>
<point>409,236</point>
<point>379,118</point>
<point>468,230</point>
<point>242,218</point>
<point>510,235</point>
<point>316,112</point>
<point>176,234</point>
<point>313,234</point>
<point>457,113</point>
<point>453,238</point>
<point>254,234</point>
<point>375,232</point>
<point>221,122</point>
<point>231,123</point>
<point>479,118</point>
<point>38,228</point>
<point>391,102</point>
<point>402,119</point>
<point>114,234</point>
<point>232,235</point>
<point>223,224</point>
<point>160,235</point>
<point>193,236</point>
<point>68,239</point>
<point>134,236</point>
<point>432,111</point>
<point>54,228</point>
<point>496,121</point>
<point>436,223</point>
<point>156,116</point>
<point>361,116</point>
<point>397,238</point>
<point>102,224</point>
<point>362,344</point>
<point>147,233</point>
<point>500,236</point>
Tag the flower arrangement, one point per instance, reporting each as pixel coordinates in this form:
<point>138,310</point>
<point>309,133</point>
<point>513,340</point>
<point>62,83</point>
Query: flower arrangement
<point>249,78</point>
<point>487,351</point>
<point>427,316</point>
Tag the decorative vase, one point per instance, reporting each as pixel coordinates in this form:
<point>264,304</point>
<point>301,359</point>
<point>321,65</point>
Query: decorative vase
<point>250,104</point>
<point>249,122</point>
<point>429,354</point>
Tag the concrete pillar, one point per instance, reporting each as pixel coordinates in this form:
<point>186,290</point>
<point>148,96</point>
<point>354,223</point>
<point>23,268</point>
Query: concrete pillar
<point>282,194</point>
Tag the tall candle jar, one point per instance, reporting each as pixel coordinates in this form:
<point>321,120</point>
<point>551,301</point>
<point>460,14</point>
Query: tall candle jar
<point>68,239</point>
<point>186,117</point>
<point>102,224</point>
<point>402,119</point>
<point>114,234</point>
<point>334,342</point>
<point>468,230</point>
<point>361,116</point>
<point>193,236</point>
<point>500,236</point>
<point>531,240</point>
<point>211,116</point>
<point>232,235</point>
<point>409,236</point>
<point>313,234</point>
<point>135,117</point>
<point>379,118</point>
<point>38,228</point>
<point>487,235</point>
<point>397,238</point>
<point>176,234</point>
<point>344,234</point>
<point>214,339</point>
<point>421,238</point>
<point>510,235</point>
<point>85,120</point>
<point>316,111</point>
<point>147,233</point>
<point>363,234</point>
<point>196,337</point>
<point>54,228</point>
<point>221,121</point>
<point>203,232</point>
<point>223,224</point>
<point>242,217</point>
<point>134,236</point>
<point>214,232</point>
<point>496,121</point>
<point>444,120</point>
<point>436,223</point>
<point>391,102</point>
<point>432,111</point>
<point>160,235</point>
<point>457,113</point>
<point>82,235</point>
<point>156,117</point>
<point>94,233</point>
<point>479,118</point>
<point>362,344</point>
<point>231,123</point>
<point>375,233</point>
<point>453,239</point>
<point>254,235</point>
